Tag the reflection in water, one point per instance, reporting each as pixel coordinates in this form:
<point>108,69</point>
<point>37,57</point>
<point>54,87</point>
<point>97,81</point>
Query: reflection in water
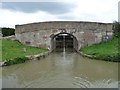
<point>61,70</point>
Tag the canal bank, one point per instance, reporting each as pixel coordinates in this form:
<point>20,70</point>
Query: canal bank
<point>27,58</point>
<point>13,52</point>
<point>107,51</point>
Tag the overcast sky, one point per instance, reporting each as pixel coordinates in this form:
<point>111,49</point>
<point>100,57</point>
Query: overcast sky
<point>13,13</point>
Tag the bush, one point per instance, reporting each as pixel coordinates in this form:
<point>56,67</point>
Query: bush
<point>116,28</point>
<point>16,60</point>
<point>8,31</point>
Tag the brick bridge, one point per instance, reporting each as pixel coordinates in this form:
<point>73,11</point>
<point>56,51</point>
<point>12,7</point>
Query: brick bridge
<point>59,34</point>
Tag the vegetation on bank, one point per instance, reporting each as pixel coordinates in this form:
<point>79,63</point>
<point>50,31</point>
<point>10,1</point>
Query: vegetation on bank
<point>109,50</point>
<point>105,50</point>
<point>14,52</point>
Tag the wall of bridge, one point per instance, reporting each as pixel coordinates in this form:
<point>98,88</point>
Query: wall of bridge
<point>39,34</point>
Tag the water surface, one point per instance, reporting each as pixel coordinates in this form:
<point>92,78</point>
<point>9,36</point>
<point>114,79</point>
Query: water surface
<point>61,70</point>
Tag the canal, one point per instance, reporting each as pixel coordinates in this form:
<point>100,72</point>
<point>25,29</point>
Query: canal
<point>61,70</point>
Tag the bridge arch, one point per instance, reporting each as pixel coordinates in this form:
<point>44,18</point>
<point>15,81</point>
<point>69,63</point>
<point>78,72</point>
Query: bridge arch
<point>64,40</point>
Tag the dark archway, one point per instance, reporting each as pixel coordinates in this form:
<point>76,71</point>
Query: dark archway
<point>64,40</point>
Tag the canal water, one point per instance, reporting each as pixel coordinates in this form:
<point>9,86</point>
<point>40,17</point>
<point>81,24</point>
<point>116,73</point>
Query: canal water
<point>61,70</point>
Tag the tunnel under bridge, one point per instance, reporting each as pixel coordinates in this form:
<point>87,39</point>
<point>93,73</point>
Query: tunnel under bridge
<point>63,41</point>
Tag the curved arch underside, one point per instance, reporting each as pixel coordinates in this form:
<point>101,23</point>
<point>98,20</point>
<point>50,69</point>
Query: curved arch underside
<point>64,40</point>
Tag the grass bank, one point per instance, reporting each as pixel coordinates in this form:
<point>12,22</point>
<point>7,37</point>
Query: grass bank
<point>105,50</point>
<point>15,52</point>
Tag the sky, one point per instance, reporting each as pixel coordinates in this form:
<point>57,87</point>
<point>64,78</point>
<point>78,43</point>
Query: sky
<point>20,12</point>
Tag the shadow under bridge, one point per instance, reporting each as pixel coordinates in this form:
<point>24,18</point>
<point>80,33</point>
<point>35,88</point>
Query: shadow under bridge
<point>63,41</point>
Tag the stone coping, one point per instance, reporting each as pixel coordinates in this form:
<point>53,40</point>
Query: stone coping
<point>86,55</point>
<point>38,56</point>
<point>63,22</point>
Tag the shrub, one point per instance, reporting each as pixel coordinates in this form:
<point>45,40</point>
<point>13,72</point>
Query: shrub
<point>16,60</point>
<point>116,28</point>
<point>8,31</point>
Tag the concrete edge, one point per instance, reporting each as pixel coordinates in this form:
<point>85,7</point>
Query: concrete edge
<point>86,55</point>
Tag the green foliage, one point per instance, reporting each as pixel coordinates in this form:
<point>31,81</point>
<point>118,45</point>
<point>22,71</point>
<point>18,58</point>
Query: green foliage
<point>15,60</point>
<point>8,31</point>
<point>105,50</point>
<point>116,28</point>
<point>13,49</point>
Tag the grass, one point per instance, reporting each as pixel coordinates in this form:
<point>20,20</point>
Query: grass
<point>104,50</point>
<point>14,49</point>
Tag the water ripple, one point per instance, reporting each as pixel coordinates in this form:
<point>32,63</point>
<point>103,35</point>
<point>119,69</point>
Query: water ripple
<point>84,83</point>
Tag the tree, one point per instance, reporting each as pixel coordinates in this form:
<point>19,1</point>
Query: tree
<point>8,31</point>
